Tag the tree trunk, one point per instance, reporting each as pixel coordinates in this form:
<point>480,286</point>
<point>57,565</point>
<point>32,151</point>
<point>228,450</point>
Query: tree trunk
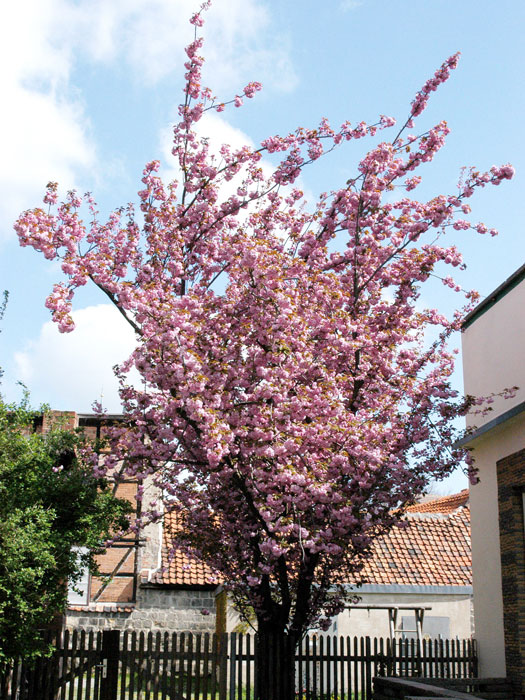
<point>275,666</point>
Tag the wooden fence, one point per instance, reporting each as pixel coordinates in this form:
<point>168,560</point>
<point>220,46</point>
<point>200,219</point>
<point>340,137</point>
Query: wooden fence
<point>112,665</point>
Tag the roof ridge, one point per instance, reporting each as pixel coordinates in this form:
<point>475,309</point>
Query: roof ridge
<point>443,504</point>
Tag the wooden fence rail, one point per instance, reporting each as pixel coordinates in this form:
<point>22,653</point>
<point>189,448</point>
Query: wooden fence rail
<point>113,665</point>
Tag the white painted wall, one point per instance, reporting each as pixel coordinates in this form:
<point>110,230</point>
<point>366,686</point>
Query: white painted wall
<point>457,607</point>
<point>486,562</point>
<point>494,354</point>
<point>493,358</point>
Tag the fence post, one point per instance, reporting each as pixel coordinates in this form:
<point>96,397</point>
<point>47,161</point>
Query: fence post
<point>110,658</point>
<point>233,664</point>
<point>368,662</point>
<point>473,654</point>
<point>223,664</point>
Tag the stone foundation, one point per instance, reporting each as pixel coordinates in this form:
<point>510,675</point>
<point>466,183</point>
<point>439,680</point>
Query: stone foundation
<point>156,609</point>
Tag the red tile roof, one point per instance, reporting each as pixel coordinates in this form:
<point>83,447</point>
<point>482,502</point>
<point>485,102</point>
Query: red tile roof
<point>103,608</point>
<point>445,504</point>
<point>433,549</point>
<point>178,569</point>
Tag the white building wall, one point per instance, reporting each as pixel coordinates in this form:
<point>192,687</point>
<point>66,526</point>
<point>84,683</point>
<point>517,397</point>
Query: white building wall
<point>486,557</point>
<point>455,606</point>
<point>493,359</point>
<point>454,603</point>
<point>494,352</point>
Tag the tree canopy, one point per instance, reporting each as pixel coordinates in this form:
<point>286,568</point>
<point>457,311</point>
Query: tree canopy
<point>291,405</point>
<point>51,504</point>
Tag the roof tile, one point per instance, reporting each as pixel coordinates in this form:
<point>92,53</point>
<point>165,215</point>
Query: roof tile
<point>445,504</point>
<point>177,568</point>
<point>429,551</point>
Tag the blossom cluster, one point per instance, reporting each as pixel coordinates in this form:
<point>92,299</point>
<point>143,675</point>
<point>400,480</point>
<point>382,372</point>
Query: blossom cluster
<point>439,77</point>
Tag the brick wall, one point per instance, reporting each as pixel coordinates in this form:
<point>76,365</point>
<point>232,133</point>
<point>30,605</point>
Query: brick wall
<point>68,420</point>
<point>118,562</point>
<point>511,486</point>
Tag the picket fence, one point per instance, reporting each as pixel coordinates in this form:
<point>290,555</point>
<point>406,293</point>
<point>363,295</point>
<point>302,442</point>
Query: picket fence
<point>113,665</point>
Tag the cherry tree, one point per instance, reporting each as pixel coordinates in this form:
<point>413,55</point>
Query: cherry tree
<point>291,406</point>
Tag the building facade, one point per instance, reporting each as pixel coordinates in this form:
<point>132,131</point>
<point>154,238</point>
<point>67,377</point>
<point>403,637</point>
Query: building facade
<point>493,342</point>
<point>138,586</point>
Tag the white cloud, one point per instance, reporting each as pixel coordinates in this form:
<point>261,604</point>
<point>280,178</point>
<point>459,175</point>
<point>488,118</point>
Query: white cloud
<point>217,131</point>
<point>240,34</point>
<point>72,370</point>
<point>151,34</point>
<point>44,137</point>
<point>46,131</point>
<point>43,127</point>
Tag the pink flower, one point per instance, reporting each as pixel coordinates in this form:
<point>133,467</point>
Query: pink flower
<point>197,20</point>
<point>251,89</point>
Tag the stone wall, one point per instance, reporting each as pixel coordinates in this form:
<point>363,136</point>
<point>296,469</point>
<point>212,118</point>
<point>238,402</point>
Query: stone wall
<point>163,610</point>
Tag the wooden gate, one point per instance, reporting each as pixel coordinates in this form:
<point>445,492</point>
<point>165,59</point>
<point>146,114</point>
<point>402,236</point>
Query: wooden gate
<point>80,666</point>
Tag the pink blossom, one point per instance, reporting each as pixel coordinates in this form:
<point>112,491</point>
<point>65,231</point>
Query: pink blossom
<point>440,76</point>
<point>250,90</point>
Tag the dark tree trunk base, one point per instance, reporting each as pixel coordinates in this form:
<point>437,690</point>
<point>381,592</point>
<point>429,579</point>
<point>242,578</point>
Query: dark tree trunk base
<point>275,666</point>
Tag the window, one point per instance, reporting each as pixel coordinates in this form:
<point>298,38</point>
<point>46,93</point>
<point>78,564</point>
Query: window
<point>78,594</point>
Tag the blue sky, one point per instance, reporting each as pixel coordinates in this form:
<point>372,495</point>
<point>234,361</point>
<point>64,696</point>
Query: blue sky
<point>90,89</point>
